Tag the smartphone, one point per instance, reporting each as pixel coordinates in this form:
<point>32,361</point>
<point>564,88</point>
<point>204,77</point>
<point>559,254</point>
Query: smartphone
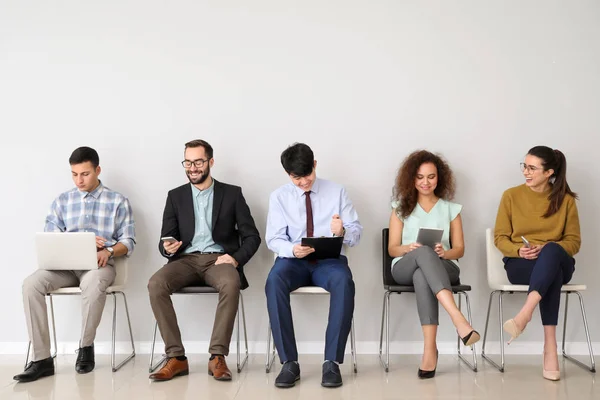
<point>169,239</point>
<point>525,241</point>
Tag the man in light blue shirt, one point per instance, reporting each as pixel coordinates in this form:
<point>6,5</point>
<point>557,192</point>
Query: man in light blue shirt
<point>309,207</point>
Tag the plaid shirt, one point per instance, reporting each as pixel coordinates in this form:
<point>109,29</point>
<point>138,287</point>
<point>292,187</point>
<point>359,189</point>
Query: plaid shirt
<point>105,212</point>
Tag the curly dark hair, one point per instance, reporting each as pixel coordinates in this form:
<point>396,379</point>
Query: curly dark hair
<point>404,190</point>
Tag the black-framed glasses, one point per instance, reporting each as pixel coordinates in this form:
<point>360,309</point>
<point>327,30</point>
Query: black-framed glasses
<point>199,163</point>
<point>530,168</point>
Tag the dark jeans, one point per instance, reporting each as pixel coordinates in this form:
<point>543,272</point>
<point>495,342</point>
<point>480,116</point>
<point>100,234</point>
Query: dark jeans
<point>289,274</point>
<point>552,269</point>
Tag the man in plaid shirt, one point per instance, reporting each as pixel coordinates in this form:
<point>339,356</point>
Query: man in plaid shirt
<point>90,207</point>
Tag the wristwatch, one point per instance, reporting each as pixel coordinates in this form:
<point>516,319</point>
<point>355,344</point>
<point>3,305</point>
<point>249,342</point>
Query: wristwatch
<point>111,251</point>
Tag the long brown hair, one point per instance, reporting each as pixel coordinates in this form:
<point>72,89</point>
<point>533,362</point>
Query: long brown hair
<point>554,159</point>
<point>405,191</point>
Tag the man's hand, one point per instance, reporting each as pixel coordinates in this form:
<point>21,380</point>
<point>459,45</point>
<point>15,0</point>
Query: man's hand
<point>226,259</point>
<point>302,251</point>
<point>100,242</point>
<point>103,256</point>
<point>337,225</point>
<point>171,247</point>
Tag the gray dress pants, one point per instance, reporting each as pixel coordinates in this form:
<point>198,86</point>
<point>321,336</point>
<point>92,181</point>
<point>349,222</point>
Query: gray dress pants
<point>423,269</point>
<point>93,285</point>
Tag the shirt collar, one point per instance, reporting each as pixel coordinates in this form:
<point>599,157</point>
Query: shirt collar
<point>314,189</point>
<point>197,192</point>
<point>94,193</point>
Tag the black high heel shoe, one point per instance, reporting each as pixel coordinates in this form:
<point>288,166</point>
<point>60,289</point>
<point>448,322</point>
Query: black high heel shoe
<point>428,374</point>
<point>472,338</point>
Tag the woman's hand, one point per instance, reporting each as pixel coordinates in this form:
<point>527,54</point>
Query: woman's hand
<point>439,250</point>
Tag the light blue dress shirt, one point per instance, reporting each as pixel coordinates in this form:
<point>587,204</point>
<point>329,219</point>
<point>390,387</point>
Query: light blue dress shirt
<point>286,220</point>
<point>203,208</point>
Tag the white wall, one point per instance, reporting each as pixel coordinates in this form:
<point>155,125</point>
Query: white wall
<point>362,82</point>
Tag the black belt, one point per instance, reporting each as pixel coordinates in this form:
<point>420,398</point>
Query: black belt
<point>207,252</point>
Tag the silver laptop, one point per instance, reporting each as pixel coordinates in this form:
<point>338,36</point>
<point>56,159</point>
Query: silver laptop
<point>66,250</point>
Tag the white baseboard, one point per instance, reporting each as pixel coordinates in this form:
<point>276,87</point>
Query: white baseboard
<point>259,347</point>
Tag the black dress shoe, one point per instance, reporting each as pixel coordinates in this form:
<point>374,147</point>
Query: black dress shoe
<point>428,374</point>
<point>85,360</point>
<point>289,375</point>
<point>331,375</point>
<point>35,370</point>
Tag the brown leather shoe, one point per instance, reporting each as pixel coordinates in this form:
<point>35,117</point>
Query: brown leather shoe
<point>172,368</point>
<point>217,367</point>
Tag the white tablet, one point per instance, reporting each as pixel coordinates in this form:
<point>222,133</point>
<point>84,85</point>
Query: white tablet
<point>430,236</point>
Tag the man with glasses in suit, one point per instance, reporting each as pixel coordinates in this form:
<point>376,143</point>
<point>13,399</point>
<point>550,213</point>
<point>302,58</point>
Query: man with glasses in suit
<point>213,237</point>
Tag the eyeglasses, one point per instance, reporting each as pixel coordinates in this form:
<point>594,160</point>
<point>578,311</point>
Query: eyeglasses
<point>199,163</point>
<point>530,168</point>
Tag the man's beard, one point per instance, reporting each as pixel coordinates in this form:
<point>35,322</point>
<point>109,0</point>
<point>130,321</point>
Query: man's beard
<point>201,179</point>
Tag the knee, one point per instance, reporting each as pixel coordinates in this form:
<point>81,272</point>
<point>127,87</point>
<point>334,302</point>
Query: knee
<point>341,280</point>
<point>93,288</point>
<point>231,285</point>
<point>425,251</point>
<point>552,248</point>
<point>274,281</point>
<point>33,286</point>
<point>157,286</point>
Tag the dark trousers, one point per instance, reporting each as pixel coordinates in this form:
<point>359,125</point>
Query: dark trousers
<point>552,269</point>
<point>289,274</point>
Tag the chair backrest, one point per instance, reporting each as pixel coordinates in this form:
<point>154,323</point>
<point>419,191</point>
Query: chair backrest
<point>495,268</point>
<point>388,279</point>
<point>121,268</point>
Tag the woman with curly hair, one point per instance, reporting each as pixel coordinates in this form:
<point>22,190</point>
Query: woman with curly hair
<point>423,188</point>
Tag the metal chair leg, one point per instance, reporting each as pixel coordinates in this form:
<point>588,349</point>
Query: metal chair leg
<point>385,320</point>
<point>487,320</point>
<point>353,347</point>
<point>151,367</point>
<point>472,365</point>
<point>114,333</point>
<point>270,355</point>
<point>242,363</point>
<point>53,327</point>
<point>592,366</point>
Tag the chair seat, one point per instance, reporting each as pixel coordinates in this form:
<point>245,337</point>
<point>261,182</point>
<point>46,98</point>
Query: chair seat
<point>310,290</point>
<point>196,290</point>
<point>77,290</point>
<point>411,289</point>
<point>525,288</point>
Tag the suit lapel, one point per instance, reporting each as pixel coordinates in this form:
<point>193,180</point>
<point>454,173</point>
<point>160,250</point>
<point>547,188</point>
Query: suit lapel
<point>217,198</point>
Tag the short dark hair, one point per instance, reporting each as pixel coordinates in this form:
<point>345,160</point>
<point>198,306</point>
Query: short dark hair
<point>298,160</point>
<point>84,154</point>
<point>201,143</point>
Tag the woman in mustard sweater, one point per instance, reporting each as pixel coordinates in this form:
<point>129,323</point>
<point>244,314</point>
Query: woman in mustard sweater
<point>543,212</point>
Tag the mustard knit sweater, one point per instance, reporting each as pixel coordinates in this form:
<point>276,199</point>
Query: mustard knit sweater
<point>521,213</point>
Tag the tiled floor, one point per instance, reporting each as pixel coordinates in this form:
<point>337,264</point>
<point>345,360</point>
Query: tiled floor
<point>522,380</point>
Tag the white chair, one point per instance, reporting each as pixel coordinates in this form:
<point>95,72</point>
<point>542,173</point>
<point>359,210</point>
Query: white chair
<point>498,282</point>
<point>308,290</point>
<point>199,290</point>
<point>121,268</point>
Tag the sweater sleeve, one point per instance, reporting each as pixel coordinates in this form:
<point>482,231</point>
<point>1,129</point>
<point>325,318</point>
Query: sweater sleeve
<point>503,229</point>
<point>571,239</point>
